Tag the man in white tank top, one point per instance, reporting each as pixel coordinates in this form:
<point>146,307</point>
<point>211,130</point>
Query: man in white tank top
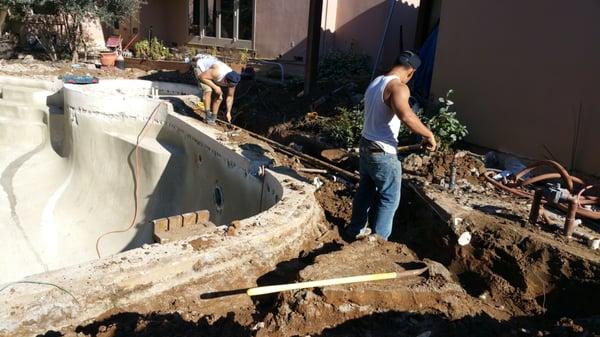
<point>212,74</point>
<point>386,107</point>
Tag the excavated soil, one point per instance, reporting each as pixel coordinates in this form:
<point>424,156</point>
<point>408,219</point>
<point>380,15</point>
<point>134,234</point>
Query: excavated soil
<point>512,279</point>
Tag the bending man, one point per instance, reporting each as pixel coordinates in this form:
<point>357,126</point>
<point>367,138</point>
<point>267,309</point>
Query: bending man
<point>386,107</point>
<point>212,74</point>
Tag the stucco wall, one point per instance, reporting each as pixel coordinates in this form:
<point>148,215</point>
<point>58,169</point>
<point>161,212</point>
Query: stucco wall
<point>168,18</point>
<point>522,71</point>
<point>281,27</point>
<point>360,25</point>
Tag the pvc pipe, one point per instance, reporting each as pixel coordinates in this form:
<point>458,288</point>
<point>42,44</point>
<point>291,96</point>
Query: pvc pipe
<point>311,170</point>
<point>387,26</point>
<point>276,63</point>
<point>334,281</point>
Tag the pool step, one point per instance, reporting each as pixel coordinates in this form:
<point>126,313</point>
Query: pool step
<point>22,111</point>
<point>22,132</point>
<point>26,95</point>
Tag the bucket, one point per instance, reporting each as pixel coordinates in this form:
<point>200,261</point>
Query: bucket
<point>120,62</point>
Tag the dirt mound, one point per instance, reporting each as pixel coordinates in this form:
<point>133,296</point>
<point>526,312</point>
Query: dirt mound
<point>437,168</point>
<point>336,200</point>
<point>309,312</point>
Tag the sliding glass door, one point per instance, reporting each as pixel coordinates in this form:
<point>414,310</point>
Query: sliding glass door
<point>223,23</point>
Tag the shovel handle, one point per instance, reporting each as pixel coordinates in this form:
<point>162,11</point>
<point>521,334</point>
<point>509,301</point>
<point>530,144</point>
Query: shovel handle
<point>410,148</point>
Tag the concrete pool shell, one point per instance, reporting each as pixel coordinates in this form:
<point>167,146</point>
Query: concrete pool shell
<point>67,157</point>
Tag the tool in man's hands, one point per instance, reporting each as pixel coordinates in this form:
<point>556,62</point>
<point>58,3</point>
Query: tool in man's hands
<point>410,148</point>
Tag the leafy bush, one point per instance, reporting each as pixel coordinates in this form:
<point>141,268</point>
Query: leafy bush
<point>444,124</point>
<point>153,49</point>
<point>343,66</point>
<point>441,119</point>
<point>346,127</point>
<point>244,56</point>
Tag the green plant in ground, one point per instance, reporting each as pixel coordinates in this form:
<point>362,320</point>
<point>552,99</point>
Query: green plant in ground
<point>444,124</point>
<point>346,127</point>
<point>244,56</point>
<point>153,49</point>
<point>440,117</point>
<point>343,66</point>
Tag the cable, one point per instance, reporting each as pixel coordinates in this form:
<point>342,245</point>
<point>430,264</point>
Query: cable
<point>136,182</point>
<point>41,283</point>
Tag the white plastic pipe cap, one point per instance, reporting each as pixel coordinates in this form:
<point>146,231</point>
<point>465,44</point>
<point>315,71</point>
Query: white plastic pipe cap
<point>464,239</point>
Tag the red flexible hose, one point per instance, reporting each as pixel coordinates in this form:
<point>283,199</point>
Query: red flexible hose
<point>136,172</point>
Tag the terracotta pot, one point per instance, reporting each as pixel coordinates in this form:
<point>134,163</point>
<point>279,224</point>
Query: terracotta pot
<point>108,59</point>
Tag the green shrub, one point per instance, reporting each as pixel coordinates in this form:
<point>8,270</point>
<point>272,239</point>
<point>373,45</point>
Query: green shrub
<point>346,127</point>
<point>343,66</point>
<point>440,117</point>
<point>444,124</point>
<point>153,49</point>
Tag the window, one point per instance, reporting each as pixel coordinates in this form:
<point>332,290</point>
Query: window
<point>223,23</point>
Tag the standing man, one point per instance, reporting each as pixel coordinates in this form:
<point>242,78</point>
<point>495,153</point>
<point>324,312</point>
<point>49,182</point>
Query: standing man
<point>212,74</point>
<point>386,106</point>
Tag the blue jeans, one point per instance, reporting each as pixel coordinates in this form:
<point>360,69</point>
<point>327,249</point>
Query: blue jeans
<point>378,194</point>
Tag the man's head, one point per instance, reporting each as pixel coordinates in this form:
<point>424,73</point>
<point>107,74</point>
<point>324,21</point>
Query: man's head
<point>409,61</point>
<point>232,79</point>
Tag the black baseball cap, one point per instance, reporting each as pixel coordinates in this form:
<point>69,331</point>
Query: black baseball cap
<point>408,58</point>
<point>233,77</point>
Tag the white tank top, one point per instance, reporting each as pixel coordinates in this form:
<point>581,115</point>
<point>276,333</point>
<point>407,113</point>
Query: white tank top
<point>382,126</point>
<point>204,62</point>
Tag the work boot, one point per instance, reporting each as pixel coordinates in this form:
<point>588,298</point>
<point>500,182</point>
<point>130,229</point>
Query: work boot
<point>350,237</point>
<point>211,118</point>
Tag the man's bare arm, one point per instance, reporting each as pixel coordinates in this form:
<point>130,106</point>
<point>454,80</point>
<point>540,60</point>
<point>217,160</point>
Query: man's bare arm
<point>398,101</point>
<point>229,102</point>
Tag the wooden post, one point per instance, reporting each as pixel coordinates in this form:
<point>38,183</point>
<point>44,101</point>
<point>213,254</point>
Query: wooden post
<point>313,40</point>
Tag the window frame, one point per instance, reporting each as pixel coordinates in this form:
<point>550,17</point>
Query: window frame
<point>201,39</point>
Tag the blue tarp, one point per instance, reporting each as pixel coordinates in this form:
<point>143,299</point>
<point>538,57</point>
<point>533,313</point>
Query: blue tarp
<point>421,83</point>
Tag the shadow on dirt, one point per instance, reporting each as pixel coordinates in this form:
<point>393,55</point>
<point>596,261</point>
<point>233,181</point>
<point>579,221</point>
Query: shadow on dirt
<point>392,323</point>
<point>399,324</point>
<point>168,324</point>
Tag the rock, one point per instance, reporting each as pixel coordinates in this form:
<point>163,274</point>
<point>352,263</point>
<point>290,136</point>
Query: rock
<point>231,231</point>
<point>28,58</point>
<point>334,155</point>
<point>413,163</point>
<point>436,268</point>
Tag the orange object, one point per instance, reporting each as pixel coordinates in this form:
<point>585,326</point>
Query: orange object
<point>108,59</point>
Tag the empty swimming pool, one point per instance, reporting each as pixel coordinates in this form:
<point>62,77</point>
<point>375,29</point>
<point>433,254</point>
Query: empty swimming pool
<point>67,163</point>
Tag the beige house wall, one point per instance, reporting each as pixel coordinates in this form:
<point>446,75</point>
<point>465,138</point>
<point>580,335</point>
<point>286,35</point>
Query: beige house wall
<point>168,18</point>
<point>522,73</point>
<point>360,25</point>
<point>281,25</point>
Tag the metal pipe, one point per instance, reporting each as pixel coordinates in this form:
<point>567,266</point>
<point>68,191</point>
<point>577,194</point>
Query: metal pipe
<point>385,30</point>
<point>452,184</point>
<point>570,220</point>
<point>534,213</point>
